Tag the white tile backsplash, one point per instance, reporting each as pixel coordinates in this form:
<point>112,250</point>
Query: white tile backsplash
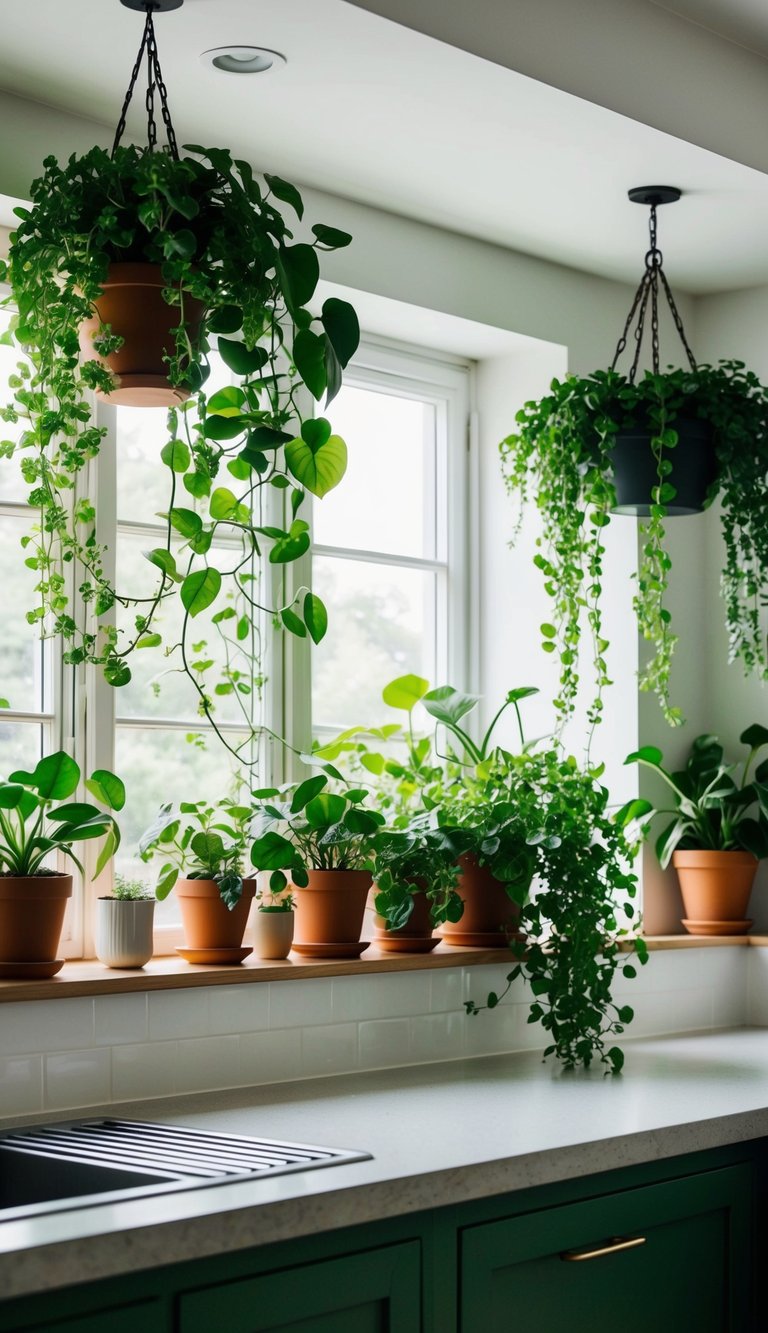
<point>145,1070</point>
<point>270,1057</point>
<point>385,1043</point>
<point>21,1084</point>
<point>120,1018</point>
<point>78,1078</point>
<point>58,1054</point>
<point>207,1063</point>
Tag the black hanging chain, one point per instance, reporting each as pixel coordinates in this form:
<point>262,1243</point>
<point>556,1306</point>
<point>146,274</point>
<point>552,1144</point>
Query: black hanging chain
<point>155,82</point>
<point>648,293</point>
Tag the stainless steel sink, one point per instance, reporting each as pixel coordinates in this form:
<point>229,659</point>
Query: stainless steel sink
<point>51,1168</point>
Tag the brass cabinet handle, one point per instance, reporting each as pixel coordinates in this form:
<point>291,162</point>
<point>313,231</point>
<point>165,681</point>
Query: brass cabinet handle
<point>597,1251</point>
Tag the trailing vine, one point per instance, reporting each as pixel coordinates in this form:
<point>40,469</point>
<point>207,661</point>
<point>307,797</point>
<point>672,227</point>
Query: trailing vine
<point>222,242</point>
<point>561,459</point>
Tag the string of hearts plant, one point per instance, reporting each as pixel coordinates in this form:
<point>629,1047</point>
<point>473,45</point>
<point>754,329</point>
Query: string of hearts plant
<point>223,243</point>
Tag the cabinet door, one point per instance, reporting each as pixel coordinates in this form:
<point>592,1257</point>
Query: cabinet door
<point>376,1292</point>
<point>148,1317</point>
<point>688,1269</point>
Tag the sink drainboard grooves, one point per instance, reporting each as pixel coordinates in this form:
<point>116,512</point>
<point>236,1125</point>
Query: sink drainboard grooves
<point>189,1153</point>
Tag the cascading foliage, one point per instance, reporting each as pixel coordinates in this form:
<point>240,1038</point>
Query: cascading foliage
<point>222,241</point>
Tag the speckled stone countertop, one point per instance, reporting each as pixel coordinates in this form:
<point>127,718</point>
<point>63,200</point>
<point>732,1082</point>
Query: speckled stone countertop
<point>440,1135</point>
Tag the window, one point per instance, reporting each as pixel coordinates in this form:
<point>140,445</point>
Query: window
<point>389,560</point>
<point>389,554</point>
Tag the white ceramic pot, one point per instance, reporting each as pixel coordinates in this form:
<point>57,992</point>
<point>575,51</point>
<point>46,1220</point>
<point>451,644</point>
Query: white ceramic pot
<point>124,932</point>
<point>272,934</point>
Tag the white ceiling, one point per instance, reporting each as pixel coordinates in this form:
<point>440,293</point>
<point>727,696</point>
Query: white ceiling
<point>742,21</point>
<point>373,111</point>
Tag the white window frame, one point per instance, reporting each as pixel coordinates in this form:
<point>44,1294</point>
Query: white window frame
<point>447,383</point>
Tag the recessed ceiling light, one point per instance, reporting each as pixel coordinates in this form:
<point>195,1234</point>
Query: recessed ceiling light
<point>242,59</point>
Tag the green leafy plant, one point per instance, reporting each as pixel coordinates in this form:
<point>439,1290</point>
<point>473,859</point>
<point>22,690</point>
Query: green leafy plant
<point>415,855</point>
<point>222,242</point>
<point>200,841</point>
<point>580,909</point>
<point>560,458</point>
<point>718,806</point>
<point>269,901</point>
<point>130,890</point>
<point>33,825</point>
<point>305,826</point>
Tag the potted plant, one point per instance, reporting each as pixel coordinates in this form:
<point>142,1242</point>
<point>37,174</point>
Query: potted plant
<point>719,829</point>
<point>203,849</point>
<point>415,891</point>
<point>325,842</point>
<point>124,924</point>
<point>580,911</point>
<point>273,920</point>
<point>450,782</point>
<point>700,433</point>
<point>38,819</point>
<point>151,262</point>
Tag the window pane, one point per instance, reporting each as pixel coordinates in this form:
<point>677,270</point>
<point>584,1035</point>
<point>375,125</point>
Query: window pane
<point>159,687</point>
<point>23,655</point>
<point>21,745</point>
<point>381,625</point>
<point>158,766</point>
<point>143,483</point>
<point>12,486</point>
<point>386,501</point>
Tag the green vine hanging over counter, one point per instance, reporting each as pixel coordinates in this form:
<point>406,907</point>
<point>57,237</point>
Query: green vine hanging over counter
<point>228,256</point>
<point>562,459</point>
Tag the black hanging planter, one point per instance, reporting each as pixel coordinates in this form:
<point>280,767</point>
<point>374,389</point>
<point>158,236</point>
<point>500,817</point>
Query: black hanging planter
<point>635,471</point>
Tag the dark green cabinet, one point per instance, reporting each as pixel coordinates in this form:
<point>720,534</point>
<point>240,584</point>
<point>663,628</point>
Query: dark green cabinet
<point>144,1317</point>
<point>665,1257</point>
<point>545,1259</point>
<point>375,1292</point>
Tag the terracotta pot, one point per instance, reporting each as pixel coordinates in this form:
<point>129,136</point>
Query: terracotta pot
<point>330,909</point>
<point>716,888</point>
<point>416,936</point>
<point>208,922</point>
<point>132,304</point>
<point>272,934</point>
<point>490,917</point>
<point>124,931</point>
<point>31,916</point>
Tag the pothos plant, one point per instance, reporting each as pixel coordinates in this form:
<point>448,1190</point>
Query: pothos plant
<point>579,910</point>
<point>200,841</point>
<point>560,458</point>
<point>221,241</point>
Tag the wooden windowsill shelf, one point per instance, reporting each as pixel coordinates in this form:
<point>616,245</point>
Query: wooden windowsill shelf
<point>89,977</point>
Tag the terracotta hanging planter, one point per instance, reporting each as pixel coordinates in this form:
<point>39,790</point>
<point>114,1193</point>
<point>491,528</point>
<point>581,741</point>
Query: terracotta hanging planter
<point>31,919</point>
<point>635,469</point>
<point>416,936</point>
<point>132,305</point>
<point>272,933</point>
<point>716,888</point>
<point>124,931</point>
<point>490,917</point>
<point>209,926</point>
<point>329,913</point>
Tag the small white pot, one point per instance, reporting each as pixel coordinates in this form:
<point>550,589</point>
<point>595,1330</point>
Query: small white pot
<point>124,932</point>
<point>272,934</point>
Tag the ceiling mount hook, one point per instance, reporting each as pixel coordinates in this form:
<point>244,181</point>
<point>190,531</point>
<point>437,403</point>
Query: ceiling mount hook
<point>156,6</point>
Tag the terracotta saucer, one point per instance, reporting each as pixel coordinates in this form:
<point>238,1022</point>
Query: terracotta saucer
<point>348,950</point>
<point>220,956</point>
<point>32,971</point>
<point>401,944</point>
<point>718,927</point>
<point>478,939</point>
